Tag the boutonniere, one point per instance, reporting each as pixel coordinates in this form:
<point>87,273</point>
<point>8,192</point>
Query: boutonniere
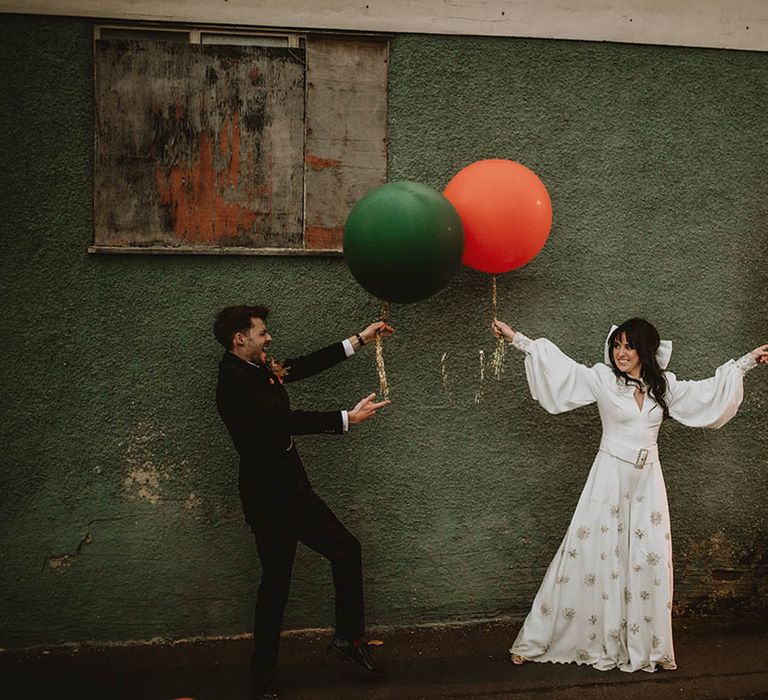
<point>277,369</point>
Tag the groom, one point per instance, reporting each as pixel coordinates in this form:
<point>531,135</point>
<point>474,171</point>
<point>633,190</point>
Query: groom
<point>279,503</point>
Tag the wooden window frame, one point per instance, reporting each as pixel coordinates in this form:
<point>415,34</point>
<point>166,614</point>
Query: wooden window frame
<point>294,39</point>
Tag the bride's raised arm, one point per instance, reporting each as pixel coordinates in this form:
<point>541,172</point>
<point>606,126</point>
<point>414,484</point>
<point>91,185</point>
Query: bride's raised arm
<point>712,402</point>
<point>556,381</point>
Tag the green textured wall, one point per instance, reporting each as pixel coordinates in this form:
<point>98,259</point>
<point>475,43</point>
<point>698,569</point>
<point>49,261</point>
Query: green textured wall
<point>120,518</point>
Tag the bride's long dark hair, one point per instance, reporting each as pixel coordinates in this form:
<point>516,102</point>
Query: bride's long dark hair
<point>644,338</point>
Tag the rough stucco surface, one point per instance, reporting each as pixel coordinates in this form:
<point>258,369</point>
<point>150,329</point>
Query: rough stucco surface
<point>120,514</point>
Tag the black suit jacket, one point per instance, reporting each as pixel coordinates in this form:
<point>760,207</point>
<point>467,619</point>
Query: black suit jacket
<point>255,407</point>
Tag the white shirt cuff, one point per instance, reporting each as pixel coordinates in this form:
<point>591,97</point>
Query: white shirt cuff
<point>348,348</point>
<point>344,421</point>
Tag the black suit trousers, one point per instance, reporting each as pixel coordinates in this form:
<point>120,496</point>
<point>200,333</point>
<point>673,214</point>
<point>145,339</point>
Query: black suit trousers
<point>278,525</point>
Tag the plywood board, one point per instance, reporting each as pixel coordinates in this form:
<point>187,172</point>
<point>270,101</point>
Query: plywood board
<point>346,143</point>
<point>198,145</point>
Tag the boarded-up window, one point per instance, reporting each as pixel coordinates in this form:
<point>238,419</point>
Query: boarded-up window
<point>207,147</point>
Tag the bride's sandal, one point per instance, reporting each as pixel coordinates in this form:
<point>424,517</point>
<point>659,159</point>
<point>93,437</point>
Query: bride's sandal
<point>518,660</point>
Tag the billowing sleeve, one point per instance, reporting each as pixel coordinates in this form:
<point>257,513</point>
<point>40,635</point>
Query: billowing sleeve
<point>556,381</point>
<point>709,403</point>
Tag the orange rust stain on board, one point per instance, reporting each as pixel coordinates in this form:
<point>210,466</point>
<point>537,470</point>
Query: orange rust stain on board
<point>321,163</point>
<point>195,194</point>
<point>316,237</point>
<point>234,159</point>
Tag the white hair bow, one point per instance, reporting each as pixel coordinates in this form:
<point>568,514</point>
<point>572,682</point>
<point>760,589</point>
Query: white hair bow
<point>663,354</point>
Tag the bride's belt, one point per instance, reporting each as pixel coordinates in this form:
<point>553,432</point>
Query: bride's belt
<point>638,457</point>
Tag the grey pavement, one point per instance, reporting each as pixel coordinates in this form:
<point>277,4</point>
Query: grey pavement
<point>717,658</point>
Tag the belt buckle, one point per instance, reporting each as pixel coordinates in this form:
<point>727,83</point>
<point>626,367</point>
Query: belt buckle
<point>642,457</point>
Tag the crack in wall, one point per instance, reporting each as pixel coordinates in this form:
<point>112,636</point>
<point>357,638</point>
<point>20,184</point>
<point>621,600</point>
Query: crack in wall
<point>60,562</point>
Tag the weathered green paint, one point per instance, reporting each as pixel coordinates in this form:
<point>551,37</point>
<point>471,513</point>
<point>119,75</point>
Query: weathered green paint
<point>655,159</point>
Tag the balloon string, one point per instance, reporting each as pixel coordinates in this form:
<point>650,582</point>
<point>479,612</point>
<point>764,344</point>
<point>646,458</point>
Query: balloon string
<point>382,372</point>
<point>444,373</point>
<point>479,392</point>
<point>497,361</point>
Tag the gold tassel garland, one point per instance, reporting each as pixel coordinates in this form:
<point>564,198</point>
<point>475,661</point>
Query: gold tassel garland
<point>497,361</point>
<point>383,385</point>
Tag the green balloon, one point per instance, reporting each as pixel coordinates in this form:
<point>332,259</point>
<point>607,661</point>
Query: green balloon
<point>403,241</point>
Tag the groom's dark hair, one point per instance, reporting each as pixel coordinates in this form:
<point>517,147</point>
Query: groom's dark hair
<point>236,319</point>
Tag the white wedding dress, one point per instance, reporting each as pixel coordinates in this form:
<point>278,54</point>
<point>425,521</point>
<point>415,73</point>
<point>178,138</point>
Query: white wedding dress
<point>606,598</point>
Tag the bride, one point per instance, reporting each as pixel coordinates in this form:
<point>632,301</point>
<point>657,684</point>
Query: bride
<point>606,599</point>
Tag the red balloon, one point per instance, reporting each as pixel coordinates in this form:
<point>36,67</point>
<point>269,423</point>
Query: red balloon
<point>506,213</point>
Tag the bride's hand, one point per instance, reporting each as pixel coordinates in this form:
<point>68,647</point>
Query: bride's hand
<point>502,330</point>
<point>761,354</point>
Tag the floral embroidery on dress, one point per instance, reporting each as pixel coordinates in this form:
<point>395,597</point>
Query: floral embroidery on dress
<point>615,575</point>
<point>640,498</point>
<point>605,596</point>
<point>589,580</point>
<point>655,641</point>
<point>562,579</point>
<point>634,628</point>
<point>522,342</point>
<point>652,558</point>
<point>546,609</point>
<point>604,529</point>
<point>627,595</point>
<point>620,528</point>
<point>569,614</point>
<point>637,568</point>
<point>573,553</point>
<point>593,619</point>
<point>582,655</point>
<point>603,556</point>
<point>645,595</point>
<point>583,532</point>
<point>657,582</point>
<point>746,363</point>
<point>639,534</point>
<point>615,635</point>
<point>593,636</point>
<point>615,511</point>
<point>656,517</point>
<point>648,619</point>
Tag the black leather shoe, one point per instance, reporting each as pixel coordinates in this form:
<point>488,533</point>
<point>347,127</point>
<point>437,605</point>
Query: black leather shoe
<point>359,654</point>
<point>264,686</point>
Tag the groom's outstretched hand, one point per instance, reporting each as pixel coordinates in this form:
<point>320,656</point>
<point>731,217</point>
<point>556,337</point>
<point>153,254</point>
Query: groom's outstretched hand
<point>378,328</point>
<point>365,409</point>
